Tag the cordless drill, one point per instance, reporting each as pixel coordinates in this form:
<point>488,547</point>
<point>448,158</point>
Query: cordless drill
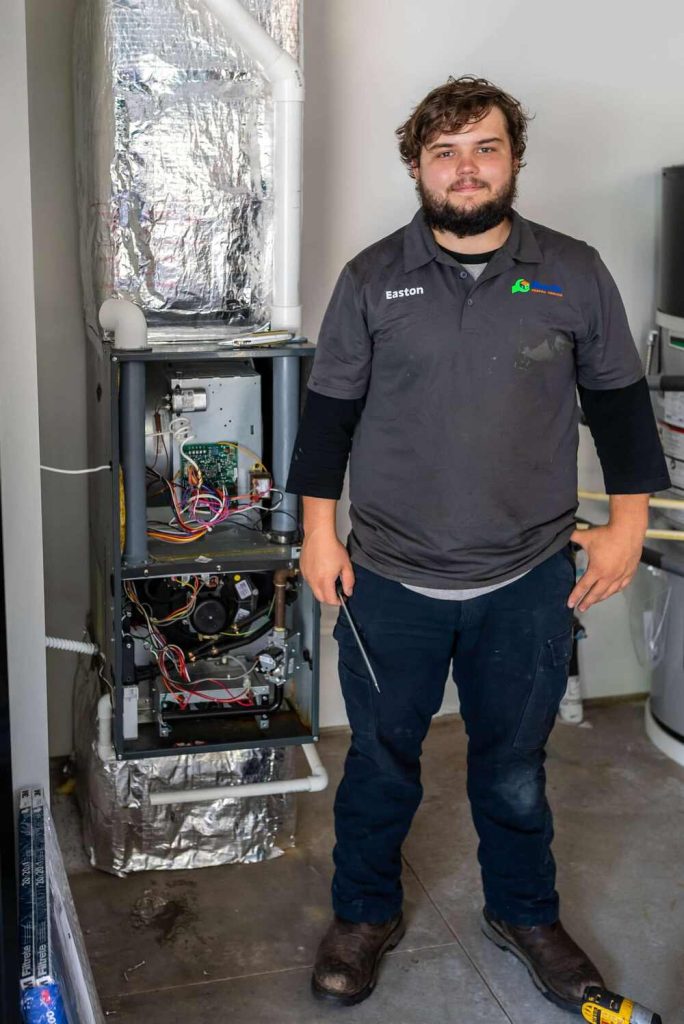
<point>603,1007</point>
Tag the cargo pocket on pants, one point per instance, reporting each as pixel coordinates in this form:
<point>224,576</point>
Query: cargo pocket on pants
<point>548,687</point>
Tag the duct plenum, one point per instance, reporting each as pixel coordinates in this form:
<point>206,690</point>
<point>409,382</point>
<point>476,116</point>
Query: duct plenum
<point>175,160</point>
<point>671,292</point>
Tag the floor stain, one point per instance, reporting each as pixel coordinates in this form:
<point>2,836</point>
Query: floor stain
<point>168,917</point>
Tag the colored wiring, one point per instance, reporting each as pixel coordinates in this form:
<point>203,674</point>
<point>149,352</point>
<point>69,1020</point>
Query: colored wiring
<point>198,507</point>
<point>188,686</point>
<point>170,658</point>
<point>194,585</point>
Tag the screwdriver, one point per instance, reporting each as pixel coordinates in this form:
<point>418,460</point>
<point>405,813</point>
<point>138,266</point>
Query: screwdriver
<point>343,601</point>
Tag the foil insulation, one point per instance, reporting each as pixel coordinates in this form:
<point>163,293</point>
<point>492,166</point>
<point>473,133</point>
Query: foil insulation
<point>123,832</point>
<point>174,129</point>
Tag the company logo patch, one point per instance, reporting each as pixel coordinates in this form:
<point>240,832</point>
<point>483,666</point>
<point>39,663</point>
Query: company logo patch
<point>403,293</point>
<point>524,286</point>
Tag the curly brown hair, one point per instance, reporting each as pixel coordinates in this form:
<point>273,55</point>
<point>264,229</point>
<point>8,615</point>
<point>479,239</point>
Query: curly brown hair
<point>458,102</point>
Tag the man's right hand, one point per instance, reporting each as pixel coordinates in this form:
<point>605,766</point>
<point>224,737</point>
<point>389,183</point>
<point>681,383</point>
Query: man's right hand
<point>322,560</point>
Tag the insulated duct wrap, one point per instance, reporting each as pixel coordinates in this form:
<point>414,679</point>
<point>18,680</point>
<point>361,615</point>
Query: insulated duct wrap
<point>122,832</point>
<point>175,161</point>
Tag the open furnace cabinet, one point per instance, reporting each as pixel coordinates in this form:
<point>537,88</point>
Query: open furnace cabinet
<point>211,641</point>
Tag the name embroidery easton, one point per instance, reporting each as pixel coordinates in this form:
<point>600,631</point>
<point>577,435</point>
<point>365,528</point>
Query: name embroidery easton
<point>402,293</point>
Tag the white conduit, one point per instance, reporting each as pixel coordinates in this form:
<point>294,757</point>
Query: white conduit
<point>314,783</point>
<point>78,646</point>
<point>287,82</point>
<point>126,321</point>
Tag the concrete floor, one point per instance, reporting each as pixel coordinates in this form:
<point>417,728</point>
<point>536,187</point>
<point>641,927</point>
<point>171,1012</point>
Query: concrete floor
<point>236,943</point>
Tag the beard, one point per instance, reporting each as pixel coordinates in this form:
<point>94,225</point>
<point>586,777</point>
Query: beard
<point>441,215</point>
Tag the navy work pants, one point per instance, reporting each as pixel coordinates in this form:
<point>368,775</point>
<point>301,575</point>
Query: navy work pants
<point>509,652</point>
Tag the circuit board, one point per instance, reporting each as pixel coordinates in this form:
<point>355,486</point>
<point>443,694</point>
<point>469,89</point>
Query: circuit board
<point>218,463</point>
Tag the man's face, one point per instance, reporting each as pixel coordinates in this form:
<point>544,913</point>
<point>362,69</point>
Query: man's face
<point>467,179</point>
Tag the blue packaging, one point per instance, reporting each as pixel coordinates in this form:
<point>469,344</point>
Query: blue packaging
<point>43,1004</point>
<point>41,1000</point>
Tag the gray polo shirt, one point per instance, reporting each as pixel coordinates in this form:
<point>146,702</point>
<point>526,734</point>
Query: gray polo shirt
<point>463,469</point>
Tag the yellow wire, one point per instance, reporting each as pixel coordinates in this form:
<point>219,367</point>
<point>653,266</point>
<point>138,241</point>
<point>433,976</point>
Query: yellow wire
<point>122,511</point>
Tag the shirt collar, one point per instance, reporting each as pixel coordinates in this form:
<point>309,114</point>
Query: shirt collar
<point>420,246</point>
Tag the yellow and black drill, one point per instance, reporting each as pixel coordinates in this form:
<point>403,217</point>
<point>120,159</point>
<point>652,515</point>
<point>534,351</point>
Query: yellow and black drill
<point>603,1007</point>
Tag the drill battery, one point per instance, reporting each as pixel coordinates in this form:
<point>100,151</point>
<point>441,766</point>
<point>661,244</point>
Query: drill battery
<point>603,1007</point>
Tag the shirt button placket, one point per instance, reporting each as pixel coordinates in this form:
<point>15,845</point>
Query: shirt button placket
<point>466,315</point>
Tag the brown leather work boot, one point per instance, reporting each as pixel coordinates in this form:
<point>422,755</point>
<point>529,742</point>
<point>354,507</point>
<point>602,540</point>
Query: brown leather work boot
<point>349,956</point>
<point>557,966</point>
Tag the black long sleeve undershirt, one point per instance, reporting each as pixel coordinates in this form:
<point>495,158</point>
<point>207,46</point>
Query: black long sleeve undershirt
<point>322,446</point>
<point>620,420</point>
<point>624,430</point>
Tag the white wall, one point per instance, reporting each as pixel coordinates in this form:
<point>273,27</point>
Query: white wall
<point>605,84</point>
<point>61,345</point>
<point>19,456</point>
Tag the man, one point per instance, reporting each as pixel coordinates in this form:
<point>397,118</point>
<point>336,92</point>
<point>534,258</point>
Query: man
<point>448,363</point>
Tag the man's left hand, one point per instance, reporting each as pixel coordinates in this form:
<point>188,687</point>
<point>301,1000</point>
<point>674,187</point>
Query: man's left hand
<point>613,553</point>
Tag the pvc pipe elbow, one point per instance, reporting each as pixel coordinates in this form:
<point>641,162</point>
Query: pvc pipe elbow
<point>318,779</point>
<point>245,30</point>
<point>287,80</point>
<point>126,321</point>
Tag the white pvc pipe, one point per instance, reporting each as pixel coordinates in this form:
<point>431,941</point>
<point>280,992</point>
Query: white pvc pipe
<point>105,747</point>
<point>314,783</point>
<point>286,311</point>
<point>287,82</point>
<point>126,320</point>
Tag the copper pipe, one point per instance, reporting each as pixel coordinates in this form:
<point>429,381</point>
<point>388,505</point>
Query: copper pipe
<point>280,579</point>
